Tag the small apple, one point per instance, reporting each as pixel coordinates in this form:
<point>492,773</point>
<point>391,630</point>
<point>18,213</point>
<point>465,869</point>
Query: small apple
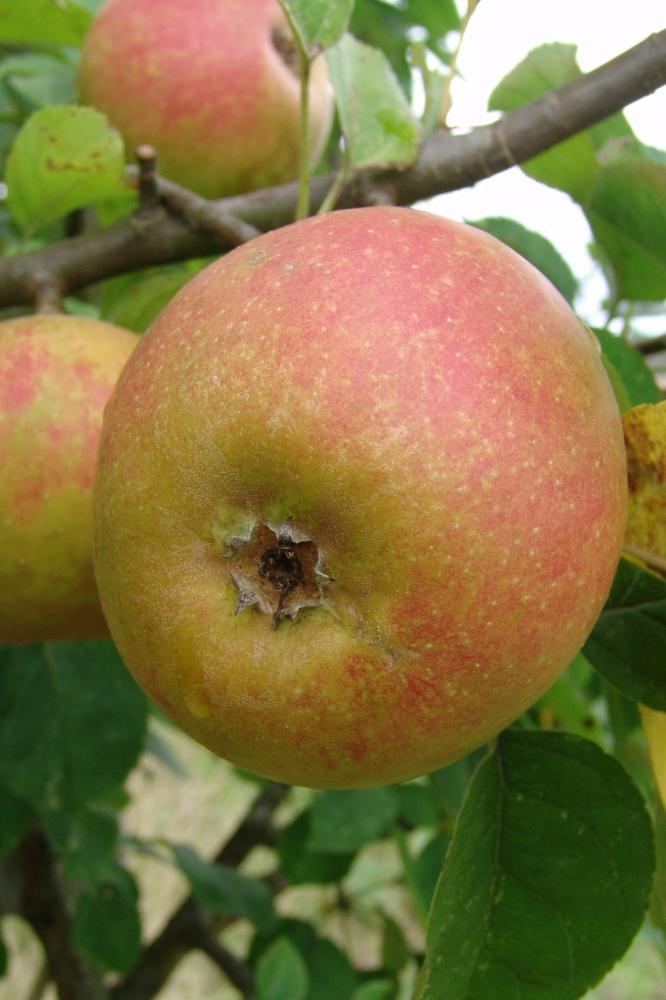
<point>56,374</point>
<point>360,497</point>
<point>212,84</point>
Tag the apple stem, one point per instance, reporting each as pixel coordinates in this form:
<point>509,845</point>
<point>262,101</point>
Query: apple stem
<point>146,158</point>
<point>48,297</point>
<point>303,203</point>
<point>336,188</point>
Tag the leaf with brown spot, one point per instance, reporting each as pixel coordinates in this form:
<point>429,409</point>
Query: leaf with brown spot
<point>645,439</point>
<point>63,158</point>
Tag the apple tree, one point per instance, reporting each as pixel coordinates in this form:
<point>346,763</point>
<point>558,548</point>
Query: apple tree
<point>134,862</point>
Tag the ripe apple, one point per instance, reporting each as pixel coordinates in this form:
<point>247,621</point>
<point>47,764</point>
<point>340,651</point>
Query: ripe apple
<point>212,84</point>
<point>56,374</point>
<point>360,497</point>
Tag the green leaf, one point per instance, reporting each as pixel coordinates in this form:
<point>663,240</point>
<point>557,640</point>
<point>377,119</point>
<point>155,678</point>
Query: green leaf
<point>384,27</point>
<point>545,67</point>
<point>378,125</point>
<point>319,22</point>
<point>553,843</point>
<point>438,17</point>
<point>221,889</point>
<point>341,822</point>
<point>301,865</point>
<point>535,248</point>
<point>449,784</point>
<point>38,79</point>
<point>330,973</point>
<point>628,643</point>
<point>572,165</point>
<point>542,70</point>
<point>4,957</point>
<point>106,926</point>
<point>282,973</point>
<point>658,900</point>
<point>569,701</point>
<point>73,723</point>
<point>15,818</point>
<point>627,211</point>
<point>134,300</point>
<point>63,158</point>
<point>417,804</point>
<point>395,950</point>
<point>43,22</point>
<point>636,375</point>
<point>376,989</point>
<point>427,867</point>
<point>86,842</point>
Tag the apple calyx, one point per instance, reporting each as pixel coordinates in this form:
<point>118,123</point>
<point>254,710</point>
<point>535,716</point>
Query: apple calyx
<point>276,572</point>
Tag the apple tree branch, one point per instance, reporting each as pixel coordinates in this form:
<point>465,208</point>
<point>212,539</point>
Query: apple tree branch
<point>179,224</point>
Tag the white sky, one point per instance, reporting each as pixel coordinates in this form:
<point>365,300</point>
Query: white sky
<point>499,35</point>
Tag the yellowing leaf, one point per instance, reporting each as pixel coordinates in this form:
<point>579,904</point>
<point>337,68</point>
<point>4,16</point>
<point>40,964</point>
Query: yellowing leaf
<point>654,724</point>
<point>645,438</point>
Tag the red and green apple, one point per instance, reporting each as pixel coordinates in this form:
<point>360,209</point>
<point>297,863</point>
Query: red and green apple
<point>56,374</point>
<point>212,84</point>
<point>360,498</point>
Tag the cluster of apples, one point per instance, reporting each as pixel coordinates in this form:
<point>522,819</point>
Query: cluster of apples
<point>360,490</point>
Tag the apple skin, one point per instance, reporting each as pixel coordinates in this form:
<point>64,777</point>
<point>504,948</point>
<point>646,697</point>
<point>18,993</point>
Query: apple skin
<point>203,82</point>
<point>56,374</point>
<point>430,413</point>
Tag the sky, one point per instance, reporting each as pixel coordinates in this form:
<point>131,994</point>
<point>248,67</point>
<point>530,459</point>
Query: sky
<point>601,29</point>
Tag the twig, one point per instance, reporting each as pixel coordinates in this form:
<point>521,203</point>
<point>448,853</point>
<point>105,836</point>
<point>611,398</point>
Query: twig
<point>42,904</point>
<point>146,158</point>
<point>163,954</point>
<point>448,162</point>
<point>206,216</point>
<point>48,296</point>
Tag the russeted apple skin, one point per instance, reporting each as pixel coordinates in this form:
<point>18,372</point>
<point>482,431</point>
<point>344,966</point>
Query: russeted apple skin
<point>203,81</point>
<point>56,374</point>
<point>428,410</point>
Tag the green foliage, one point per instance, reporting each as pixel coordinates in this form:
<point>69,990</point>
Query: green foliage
<point>107,926</point>
<point>134,300</point>
<point>635,374</point>
<point>535,248</point>
<point>281,972</point>
<point>318,22</point>
<point>73,723</point>
<point>618,183</point>
<point>344,821</point>
<point>634,618</point>
<point>63,158</point>
<point>553,841</point>
<point>301,864</point>
<point>627,209</point>
<point>379,128</point>
<point>15,817</point>
<point>223,890</point>
<point>43,22</point>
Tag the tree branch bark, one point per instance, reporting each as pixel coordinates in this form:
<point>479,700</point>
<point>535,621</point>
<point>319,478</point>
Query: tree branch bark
<point>188,927</point>
<point>448,162</point>
<point>42,904</point>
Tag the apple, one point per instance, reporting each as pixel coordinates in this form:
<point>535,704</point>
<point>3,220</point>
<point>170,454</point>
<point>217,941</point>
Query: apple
<point>360,497</point>
<point>212,84</point>
<point>56,374</point>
